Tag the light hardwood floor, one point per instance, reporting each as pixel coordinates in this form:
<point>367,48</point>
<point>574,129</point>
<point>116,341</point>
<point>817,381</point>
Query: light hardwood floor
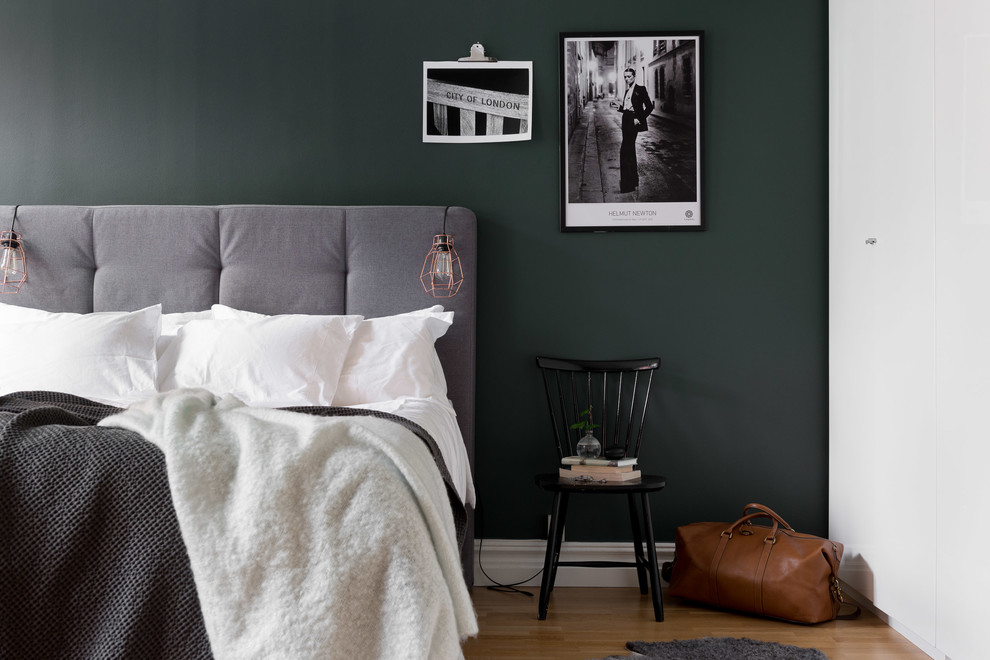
<point>596,622</point>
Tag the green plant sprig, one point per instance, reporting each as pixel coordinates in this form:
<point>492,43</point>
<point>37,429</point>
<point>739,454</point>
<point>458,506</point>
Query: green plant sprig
<point>585,424</point>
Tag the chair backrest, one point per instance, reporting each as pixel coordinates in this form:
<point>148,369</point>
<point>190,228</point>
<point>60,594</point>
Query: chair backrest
<point>616,391</point>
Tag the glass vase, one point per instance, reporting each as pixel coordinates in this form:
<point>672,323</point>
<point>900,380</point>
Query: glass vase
<point>588,446</point>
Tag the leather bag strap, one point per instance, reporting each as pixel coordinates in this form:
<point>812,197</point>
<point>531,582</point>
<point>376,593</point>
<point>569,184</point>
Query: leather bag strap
<point>835,589</point>
<point>768,543</point>
<point>713,568</point>
<point>726,536</point>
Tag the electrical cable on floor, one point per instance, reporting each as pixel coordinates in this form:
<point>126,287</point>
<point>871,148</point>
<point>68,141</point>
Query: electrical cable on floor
<point>495,586</point>
<point>498,586</point>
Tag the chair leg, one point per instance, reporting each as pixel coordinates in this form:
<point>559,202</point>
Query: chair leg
<point>553,551</point>
<point>564,500</point>
<point>651,549</point>
<point>641,573</point>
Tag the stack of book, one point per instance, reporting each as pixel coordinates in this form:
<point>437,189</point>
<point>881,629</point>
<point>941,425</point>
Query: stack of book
<point>599,469</point>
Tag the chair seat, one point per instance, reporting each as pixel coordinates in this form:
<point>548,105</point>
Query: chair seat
<point>648,483</point>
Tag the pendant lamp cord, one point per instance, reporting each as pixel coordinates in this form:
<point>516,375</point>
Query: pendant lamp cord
<point>444,219</point>
<point>14,218</point>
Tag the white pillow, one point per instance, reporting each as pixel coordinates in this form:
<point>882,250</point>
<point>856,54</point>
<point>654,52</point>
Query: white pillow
<point>108,357</point>
<point>390,357</point>
<point>289,360</point>
<point>171,323</point>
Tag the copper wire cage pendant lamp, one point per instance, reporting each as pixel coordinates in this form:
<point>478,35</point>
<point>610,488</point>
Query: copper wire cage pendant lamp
<point>442,275</point>
<point>13,265</point>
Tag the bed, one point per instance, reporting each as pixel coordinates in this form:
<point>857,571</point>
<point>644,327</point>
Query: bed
<point>236,431</point>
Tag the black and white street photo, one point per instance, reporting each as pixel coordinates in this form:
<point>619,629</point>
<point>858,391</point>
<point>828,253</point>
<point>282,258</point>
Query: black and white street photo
<point>631,123</point>
<point>477,102</point>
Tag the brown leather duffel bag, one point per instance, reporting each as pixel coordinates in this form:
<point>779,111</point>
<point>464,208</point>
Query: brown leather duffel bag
<point>772,571</point>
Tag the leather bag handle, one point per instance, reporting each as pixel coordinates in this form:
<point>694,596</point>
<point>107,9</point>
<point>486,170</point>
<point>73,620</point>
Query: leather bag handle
<point>730,530</point>
<point>770,513</point>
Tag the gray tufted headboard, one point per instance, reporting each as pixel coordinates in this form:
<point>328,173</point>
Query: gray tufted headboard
<point>270,259</point>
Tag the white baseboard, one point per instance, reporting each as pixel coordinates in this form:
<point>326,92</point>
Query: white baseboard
<point>911,636</point>
<point>508,561</point>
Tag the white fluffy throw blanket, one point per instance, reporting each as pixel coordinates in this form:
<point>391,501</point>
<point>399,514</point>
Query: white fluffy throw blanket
<point>310,537</point>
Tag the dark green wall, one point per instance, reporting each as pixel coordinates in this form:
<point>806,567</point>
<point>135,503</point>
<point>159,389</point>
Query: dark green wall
<point>319,102</point>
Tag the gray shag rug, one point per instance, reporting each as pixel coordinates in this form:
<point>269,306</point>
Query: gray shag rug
<point>717,648</point>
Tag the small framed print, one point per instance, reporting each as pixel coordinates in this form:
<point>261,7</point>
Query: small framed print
<point>631,131</point>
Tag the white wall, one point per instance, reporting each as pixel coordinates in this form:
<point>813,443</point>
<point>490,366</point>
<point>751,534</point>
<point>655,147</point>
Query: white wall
<point>909,366</point>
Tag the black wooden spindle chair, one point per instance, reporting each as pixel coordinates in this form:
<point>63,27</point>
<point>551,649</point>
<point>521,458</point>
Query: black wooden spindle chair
<point>617,392</point>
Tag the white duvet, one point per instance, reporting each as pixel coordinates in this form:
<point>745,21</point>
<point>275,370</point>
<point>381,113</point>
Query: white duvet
<point>310,537</point>
<point>439,420</point>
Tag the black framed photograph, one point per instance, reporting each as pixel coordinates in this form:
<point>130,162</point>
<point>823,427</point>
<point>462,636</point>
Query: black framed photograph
<point>631,131</point>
